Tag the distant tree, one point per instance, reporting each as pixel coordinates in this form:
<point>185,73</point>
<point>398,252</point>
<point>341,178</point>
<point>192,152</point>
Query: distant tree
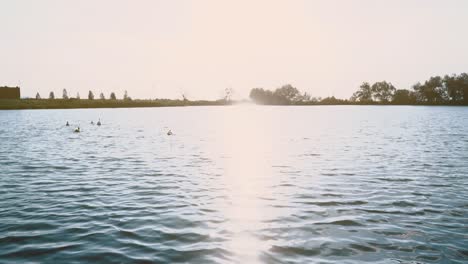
<point>38,96</point>
<point>78,96</point>
<point>90,95</point>
<point>457,87</point>
<point>364,94</point>
<point>315,99</point>
<point>383,91</point>
<point>102,97</point>
<point>305,97</point>
<point>261,96</point>
<point>436,84</point>
<point>112,96</point>
<point>404,97</point>
<point>332,101</point>
<point>454,91</point>
<point>51,95</point>
<point>432,91</point>
<point>256,95</point>
<point>65,94</point>
<point>184,98</point>
<point>126,97</point>
<point>417,92</point>
<point>228,94</point>
<point>288,94</point>
<point>463,82</point>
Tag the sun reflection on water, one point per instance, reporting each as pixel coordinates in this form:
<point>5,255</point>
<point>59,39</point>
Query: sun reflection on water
<point>247,177</point>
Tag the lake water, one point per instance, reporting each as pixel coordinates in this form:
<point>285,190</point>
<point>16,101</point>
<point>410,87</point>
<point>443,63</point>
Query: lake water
<point>241,184</point>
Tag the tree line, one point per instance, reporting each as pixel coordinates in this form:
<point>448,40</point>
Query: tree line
<point>286,94</point>
<point>447,90</point>
<point>290,95</point>
<point>437,90</point>
<point>65,96</point>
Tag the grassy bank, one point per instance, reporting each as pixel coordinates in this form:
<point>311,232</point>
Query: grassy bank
<point>84,103</point>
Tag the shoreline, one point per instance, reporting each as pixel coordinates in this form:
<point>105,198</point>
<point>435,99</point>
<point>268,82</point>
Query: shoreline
<point>45,104</point>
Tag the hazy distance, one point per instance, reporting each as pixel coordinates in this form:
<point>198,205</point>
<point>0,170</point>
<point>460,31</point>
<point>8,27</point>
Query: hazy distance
<point>165,48</point>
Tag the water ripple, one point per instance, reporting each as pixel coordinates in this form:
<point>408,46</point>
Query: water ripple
<point>262,185</point>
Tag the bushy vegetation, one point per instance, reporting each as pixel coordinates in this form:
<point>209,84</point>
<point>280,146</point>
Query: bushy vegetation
<point>289,95</point>
<point>286,94</point>
<point>447,90</point>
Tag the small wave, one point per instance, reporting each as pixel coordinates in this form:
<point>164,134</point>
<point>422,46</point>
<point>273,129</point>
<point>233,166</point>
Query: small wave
<point>337,203</point>
<point>395,179</point>
<point>375,211</point>
<point>403,204</point>
<point>363,248</point>
<point>311,155</point>
<point>37,251</point>
<point>341,223</point>
<point>285,250</point>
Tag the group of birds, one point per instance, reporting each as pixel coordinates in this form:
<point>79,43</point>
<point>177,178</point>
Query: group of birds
<point>78,130</point>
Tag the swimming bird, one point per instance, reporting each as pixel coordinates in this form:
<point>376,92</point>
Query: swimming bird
<point>99,122</point>
<point>77,130</point>
<point>169,133</point>
<point>67,124</point>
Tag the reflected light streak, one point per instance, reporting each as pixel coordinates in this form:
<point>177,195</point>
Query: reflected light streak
<point>247,177</point>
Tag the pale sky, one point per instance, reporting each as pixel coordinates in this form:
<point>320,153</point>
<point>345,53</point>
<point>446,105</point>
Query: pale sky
<point>159,48</point>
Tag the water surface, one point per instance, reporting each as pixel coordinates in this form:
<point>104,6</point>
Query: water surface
<point>251,184</point>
